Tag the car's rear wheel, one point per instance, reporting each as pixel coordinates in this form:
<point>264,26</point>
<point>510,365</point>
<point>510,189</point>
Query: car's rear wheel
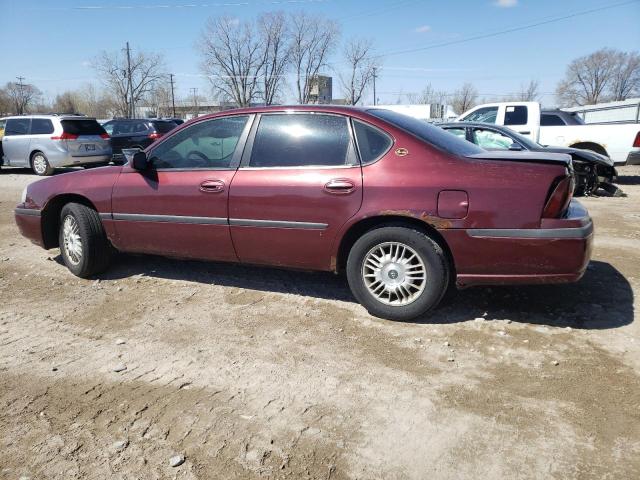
<point>83,242</point>
<point>40,164</point>
<point>397,273</point>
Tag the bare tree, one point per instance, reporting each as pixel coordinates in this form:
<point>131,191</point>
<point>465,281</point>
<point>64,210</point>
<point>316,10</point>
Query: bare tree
<point>464,98</point>
<point>428,96</point>
<point>358,55</point>
<point>22,96</point>
<point>313,39</point>
<point>274,34</point>
<point>67,102</point>
<point>233,57</point>
<point>587,78</point>
<point>625,78</point>
<point>146,70</point>
<point>529,92</point>
<point>159,99</point>
<point>6,105</point>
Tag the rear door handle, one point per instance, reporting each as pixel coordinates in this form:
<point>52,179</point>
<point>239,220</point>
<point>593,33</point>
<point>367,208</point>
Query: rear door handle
<point>212,186</point>
<point>339,186</point>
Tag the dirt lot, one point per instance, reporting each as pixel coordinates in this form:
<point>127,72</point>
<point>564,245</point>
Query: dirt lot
<point>252,373</point>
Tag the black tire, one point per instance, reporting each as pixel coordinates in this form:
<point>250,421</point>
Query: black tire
<point>40,164</point>
<point>96,248</point>
<point>429,252</point>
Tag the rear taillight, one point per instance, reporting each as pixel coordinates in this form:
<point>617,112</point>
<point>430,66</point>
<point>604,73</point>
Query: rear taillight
<point>66,136</point>
<point>636,142</point>
<point>105,136</point>
<point>560,197</point>
<point>155,135</point>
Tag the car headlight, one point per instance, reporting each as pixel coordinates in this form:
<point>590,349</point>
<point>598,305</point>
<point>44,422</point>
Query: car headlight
<point>23,199</point>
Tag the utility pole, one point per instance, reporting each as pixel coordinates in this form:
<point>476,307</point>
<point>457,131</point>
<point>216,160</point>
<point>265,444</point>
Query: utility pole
<point>130,84</point>
<point>173,100</point>
<point>375,75</point>
<point>195,99</point>
<point>20,107</point>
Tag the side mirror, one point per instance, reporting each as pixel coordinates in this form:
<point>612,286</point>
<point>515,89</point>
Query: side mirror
<point>139,161</point>
<point>515,147</point>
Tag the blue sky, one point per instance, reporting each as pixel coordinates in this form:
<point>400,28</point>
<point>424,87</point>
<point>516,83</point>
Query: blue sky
<point>51,42</point>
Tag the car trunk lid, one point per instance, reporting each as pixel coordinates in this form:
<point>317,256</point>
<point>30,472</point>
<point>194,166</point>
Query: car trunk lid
<point>529,157</point>
<point>85,137</point>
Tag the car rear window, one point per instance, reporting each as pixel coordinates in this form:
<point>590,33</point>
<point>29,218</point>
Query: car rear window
<point>435,136</point>
<point>164,127</point>
<point>82,127</point>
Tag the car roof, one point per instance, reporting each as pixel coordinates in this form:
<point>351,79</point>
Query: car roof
<point>338,109</point>
<point>50,116</point>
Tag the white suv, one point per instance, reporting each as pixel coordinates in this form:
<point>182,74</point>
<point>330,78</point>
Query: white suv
<point>44,142</point>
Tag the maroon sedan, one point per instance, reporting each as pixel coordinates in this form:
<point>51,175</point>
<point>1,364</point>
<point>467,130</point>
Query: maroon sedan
<point>403,207</point>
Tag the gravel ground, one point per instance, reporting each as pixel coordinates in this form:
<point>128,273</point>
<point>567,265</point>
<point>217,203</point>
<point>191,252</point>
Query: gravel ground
<point>173,369</point>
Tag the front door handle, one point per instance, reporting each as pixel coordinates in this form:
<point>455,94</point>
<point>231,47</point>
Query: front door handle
<point>339,186</point>
<point>212,186</point>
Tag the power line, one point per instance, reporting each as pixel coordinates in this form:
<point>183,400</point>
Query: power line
<point>508,30</point>
<point>89,8</point>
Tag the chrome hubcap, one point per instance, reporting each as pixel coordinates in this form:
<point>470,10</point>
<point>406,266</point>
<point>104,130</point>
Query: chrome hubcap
<point>39,164</point>
<point>72,240</point>
<point>394,273</point>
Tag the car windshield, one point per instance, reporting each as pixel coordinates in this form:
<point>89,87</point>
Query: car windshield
<point>435,136</point>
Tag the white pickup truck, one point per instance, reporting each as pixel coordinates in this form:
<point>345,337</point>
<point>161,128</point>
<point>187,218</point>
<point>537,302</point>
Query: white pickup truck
<point>620,142</point>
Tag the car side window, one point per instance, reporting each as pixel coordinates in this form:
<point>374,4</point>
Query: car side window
<point>139,127</point>
<point>17,126</point>
<point>301,140</point>
<point>121,128</point>
<point>484,115</point>
<point>491,140</point>
<point>550,120</point>
<point>458,132</point>
<point>108,127</point>
<point>41,126</point>
<point>516,115</point>
<point>209,145</point>
<point>372,142</point>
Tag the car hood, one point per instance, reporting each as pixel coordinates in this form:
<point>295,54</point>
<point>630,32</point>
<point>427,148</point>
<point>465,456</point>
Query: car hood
<point>585,155</point>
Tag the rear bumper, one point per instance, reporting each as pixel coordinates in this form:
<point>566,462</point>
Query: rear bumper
<point>70,161</point>
<point>633,158</point>
<point>29,224</point>
<point>557,252</point>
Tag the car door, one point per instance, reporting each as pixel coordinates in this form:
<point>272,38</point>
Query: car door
<point>299,182</point>
<point>523,118</point>
<point>15,143</point>
<point>179,205</point>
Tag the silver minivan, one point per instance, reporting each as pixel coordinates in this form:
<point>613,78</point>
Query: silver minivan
<point>45,142</point>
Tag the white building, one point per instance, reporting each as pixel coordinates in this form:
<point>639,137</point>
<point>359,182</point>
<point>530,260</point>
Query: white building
<point>427,112</point>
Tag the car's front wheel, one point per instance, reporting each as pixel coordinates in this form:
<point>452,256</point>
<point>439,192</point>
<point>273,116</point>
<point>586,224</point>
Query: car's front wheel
<point>397,273</point>
<point>83,243</point>
<point>40,164</point>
